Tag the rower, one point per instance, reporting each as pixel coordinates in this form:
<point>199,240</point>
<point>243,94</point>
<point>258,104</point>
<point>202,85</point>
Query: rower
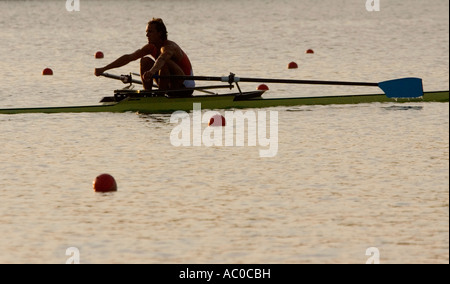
<point>166,59</point>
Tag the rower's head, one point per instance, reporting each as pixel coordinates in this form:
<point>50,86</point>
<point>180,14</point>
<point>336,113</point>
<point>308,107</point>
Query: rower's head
<point>156,30</point>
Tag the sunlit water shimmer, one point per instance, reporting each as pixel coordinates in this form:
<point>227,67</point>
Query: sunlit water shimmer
<point>345,178</point>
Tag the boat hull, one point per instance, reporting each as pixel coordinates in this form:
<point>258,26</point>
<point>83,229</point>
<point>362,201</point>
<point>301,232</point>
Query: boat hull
<point>160,104</point>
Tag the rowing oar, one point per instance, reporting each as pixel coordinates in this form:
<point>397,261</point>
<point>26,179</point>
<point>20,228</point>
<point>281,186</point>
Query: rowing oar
<point>126,79</point>
<point>398,88</point>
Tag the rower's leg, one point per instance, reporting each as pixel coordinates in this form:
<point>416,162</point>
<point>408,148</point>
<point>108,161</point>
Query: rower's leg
<point>171,69</point>
<point>164,83</point>
<point>146,64</point>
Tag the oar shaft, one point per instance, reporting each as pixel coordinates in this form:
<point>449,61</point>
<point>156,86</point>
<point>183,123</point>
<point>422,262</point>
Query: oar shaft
<point>127,79</point>
<point>123,78</point>
<point>310,82</point>
<point>232,79</point>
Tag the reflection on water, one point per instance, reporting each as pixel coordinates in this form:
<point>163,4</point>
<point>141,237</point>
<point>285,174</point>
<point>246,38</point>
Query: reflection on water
<point>403,107</point>
<point>155,118</point>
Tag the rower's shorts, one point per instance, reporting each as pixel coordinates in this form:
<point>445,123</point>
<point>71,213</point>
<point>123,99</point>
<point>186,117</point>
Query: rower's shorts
<point>189,84</point>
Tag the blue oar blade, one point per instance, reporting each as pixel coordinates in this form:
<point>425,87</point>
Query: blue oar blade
<point>402,88</point>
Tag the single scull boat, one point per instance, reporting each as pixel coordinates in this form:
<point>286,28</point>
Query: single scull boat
<point>158,102</point>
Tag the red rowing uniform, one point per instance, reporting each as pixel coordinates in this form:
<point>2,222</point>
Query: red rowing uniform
<point>186,66</point>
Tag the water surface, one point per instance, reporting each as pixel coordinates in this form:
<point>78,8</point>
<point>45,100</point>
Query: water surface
<point>345,178</point>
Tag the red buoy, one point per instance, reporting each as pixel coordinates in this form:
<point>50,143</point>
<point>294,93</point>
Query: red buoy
<point>104,183</point>
<point>292,65</point>
<point>309,51</point>
<point>262,87</point>
<point>217,120</point>
<point>99,55</point>
<point>47,72</point>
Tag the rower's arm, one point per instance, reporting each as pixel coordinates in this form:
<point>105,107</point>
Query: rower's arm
<point>123,60</point>
<point>166,54</point>
<point>119,62</point>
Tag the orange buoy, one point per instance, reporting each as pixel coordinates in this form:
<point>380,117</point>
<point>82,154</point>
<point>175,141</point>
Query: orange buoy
<point>217,120</point>
<point>99,55</point>
<point>104,183</point>
<point>292,65</point>
<point>263,87</point>
<point>47,72</point>
<point>309,51</point>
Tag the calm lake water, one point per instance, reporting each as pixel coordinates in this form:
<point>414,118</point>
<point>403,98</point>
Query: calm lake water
<point>344,178</point>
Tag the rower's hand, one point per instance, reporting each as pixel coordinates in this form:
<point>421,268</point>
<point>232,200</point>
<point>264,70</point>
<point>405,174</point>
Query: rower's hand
<point>99,71</point>
<point>148,76</point>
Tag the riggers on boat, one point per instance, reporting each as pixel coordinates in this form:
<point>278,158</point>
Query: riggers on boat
<point>141,101</point>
